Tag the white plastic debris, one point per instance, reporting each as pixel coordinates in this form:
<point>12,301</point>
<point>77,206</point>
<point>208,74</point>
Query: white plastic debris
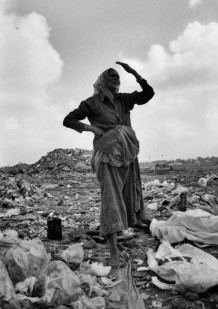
<point>108,283</point>
<point>26,287</point>
<point>143,268</point>
<point>189,267</point>
<point>162,285</point>
<point>98,269</point>
<point>12,212</point>
<point>180,189</point>
<point>202,182</point>
<point>175,200</point>
<point>165,183</point>
<point>73,254</point>
<point>10,233</point>
<point>152,206</point>
<point>139,262</point>
<point>156,182</point>
<point>212,176</point>
<point>211,199</point>
<point>196,225</point>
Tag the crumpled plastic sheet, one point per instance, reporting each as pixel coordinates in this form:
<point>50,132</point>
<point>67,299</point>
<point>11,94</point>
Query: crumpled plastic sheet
<point>62,286</point>
<point>7,292</point>
<point>54,283</point>
<point>196,225</point>
<point>24,258</point>
<point>185,268</point>
<point>73,254</point>
<point>125,295</point>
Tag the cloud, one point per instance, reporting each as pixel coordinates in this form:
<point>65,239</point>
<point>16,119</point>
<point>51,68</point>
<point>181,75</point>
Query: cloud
<point>194,3</point>
<point>181,120</point>
<point>29,64</point>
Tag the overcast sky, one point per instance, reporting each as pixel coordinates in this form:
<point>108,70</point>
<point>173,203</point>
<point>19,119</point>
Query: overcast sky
<point>52,51</point>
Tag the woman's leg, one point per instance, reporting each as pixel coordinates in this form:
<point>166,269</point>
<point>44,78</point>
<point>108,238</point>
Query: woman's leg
<point>113,217</point>
<point>132,195</point>
<point>114,253</point>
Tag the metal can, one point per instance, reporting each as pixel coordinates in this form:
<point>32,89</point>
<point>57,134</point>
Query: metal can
<point>54,231</point>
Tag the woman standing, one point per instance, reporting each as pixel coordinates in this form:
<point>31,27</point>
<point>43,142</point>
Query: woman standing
<point>115,151</point>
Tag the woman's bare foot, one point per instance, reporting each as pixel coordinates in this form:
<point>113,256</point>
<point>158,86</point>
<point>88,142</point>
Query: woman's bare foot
<point>108,245</point>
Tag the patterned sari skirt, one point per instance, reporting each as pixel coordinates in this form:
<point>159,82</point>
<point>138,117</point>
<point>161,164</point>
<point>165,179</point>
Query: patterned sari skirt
<point>120,183</point>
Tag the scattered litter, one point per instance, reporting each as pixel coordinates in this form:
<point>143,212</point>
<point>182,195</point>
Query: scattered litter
<point>62,182</point>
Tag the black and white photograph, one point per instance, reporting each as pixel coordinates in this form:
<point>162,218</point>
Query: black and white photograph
<point>109,154</point>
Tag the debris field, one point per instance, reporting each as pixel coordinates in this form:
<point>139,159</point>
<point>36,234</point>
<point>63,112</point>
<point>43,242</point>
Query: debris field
<point>61,185</point>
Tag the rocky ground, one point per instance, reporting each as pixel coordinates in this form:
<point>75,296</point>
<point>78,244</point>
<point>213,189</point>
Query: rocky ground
<point>62,183</point>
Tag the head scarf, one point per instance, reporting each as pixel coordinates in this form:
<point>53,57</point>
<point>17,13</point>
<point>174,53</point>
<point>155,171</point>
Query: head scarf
<point>100,86</point>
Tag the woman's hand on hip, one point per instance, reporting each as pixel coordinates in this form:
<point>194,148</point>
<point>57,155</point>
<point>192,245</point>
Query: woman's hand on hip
<point>97,131</point>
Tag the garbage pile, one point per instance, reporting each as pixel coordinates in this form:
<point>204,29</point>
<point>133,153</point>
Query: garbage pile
<point>30,279</point>
<point>59,160</point>
<point>65,160</point>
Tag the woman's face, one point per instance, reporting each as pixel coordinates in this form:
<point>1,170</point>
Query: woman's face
<point>113,81</point>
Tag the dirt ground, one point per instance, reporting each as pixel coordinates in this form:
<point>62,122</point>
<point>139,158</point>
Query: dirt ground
<point>75,197</point>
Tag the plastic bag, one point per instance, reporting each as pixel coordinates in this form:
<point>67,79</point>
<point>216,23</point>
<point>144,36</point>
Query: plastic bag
<point>26,287</point>
<point>202,182</point>
<point>124,295</point>
<point>87,282</point>
<point>62,286</point>
<point>25,258</point>
<point>196,225</point>
<point>73,255</point>
<point>98,269</point>
<point>64,281</point>
<point>189,267</point>
<point>7,292</point>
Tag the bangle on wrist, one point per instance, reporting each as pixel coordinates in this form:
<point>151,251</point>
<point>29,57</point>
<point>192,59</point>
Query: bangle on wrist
<point>138,78</point>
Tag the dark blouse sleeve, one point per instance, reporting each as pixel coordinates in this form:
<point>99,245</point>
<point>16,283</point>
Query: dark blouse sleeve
<point>72,120</point>
<point>136,97</point>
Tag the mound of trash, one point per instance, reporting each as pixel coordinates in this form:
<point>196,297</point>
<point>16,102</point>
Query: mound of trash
<point>59,160</point>
<point>64,160</point>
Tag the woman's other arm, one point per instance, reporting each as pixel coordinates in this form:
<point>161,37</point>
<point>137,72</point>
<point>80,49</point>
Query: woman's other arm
<point>73,120</point>
<point>138,97</point>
